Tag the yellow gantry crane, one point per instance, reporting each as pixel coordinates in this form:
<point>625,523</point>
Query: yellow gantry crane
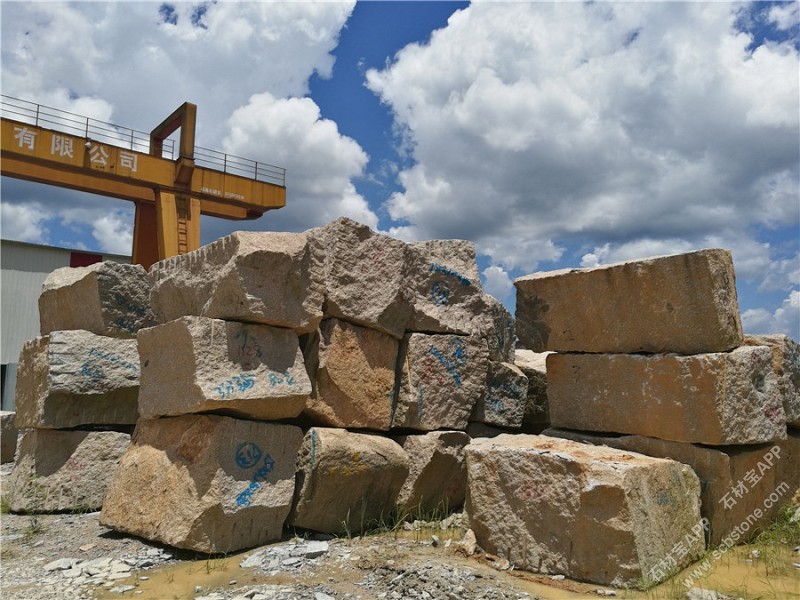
<point>170,187</point>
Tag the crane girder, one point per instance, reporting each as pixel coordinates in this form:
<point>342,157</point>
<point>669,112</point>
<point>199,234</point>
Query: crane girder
<point>170,195</point>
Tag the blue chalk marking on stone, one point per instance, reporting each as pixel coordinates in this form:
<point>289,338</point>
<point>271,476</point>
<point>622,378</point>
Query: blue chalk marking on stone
<point>265,470</point>
<point>456,360</point>
<point>248,454</point>
<point>437,268</point>
<point>259,477</point>
<point>440,293</point>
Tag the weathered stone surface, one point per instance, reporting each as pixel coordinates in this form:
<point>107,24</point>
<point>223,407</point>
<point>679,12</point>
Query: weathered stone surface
<point>786,365</point>
<point>537,410</point>
<point>8,436</point>
<point>445,286</point>
<point>437,478</point>
<point>72,378</point>
<point>595,514</point>
<point>346,481</point>
<point>734,480</point>
<point>64,470</point>
<point>353,375</point>
<point>205,482</point>
<point>365,276</point>
<point>496,326</point>
<point>441,378</point>
<point>106,298</point>
<point>685,303</point>
<point>197,364</point>
<point>716,398</point>
<point>258,277</point>
<point>504,401</point>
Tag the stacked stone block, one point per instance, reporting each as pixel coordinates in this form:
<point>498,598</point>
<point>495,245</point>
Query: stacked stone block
<point>563,508</point>
<point>325,380</point>
<point>77,386</point>
<point>338,328</point>
<point>8,436</point>
<point>649,356</point>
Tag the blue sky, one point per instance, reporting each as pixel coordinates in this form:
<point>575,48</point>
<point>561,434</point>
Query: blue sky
<point>551,135</point>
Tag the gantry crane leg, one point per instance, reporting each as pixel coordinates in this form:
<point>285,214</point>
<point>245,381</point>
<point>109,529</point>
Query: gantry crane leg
<point>145,235</point>
<point>178,222</point>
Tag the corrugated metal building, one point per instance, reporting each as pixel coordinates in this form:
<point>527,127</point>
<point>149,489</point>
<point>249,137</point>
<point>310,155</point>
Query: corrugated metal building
<point>24,269</point>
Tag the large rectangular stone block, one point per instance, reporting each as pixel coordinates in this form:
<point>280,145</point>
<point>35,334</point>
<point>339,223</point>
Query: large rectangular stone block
<point>445,287</point>
<point>441,379</point>
<point>8,436</point>
<point>365,276</point>
<point>717,398</point>
<point>786,365</point>
<point>197,364</point>
<point>205,482</point>
<point>353,375</point>
<point>685,303</point>
<point>735,481</point>
<point>496,326</point>
<point>346,481</point>
<point>106,298</point>
<point>504,400</point>
<point>258,277</point>
<point>437,478</point>
<point>64,470</point>
<point>72,378</point>
<point>594,514</point>
<point>537,409</point>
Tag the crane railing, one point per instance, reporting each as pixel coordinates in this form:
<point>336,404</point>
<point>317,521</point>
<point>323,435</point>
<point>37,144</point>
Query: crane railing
<point>132,139</point>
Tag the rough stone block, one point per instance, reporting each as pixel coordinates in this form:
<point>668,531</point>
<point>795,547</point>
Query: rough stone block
<point>257,277</point>
<point>445,287</point>
<point>437,478</point>
<point>365,276</point>
<point>205,482</point>
<point>197,364</point>
<point>504,401</point>
<point>353,374</point>
<point>735,481</point>
<point>537,410</point>
<point>717,398</point>
<point>64,470</point>
<point>496,326</point>
<point>8,436</point>
<point>594,514</point>
<point>685,303</point>
<point>786,365</point>
<point>441,379</point>
<point>73,378</point>
<point>346,481</point>
<point>106,298</point>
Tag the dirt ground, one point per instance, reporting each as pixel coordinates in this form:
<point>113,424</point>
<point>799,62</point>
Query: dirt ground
<point>49,556</point>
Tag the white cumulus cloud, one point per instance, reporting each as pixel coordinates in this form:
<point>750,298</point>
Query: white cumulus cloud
<point>638,128</point>
<point>24,222</point>
<point>114,233</point>
<point>785,319</point>
<point>246,65</point>
<point>320,162</point>
<point>497,282</point>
